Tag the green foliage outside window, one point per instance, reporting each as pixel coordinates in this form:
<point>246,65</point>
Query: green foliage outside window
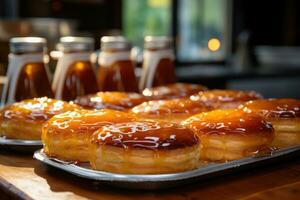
<point>146,17</point>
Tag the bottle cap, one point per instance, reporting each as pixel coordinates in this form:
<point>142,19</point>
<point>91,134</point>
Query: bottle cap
<point>74,44</point>
<point>27,44</point>
<point>115,43</point>
<point>157,42</point>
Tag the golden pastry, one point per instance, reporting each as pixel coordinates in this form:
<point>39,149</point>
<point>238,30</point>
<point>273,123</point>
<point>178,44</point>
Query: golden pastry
<point>225,99</point>
<point>24,120</point>
<point>66,136</point>
<point>174,110</point>
<point>284,114</point>
<point>110,100</point>
<point>230,134</point>
<point>144,148</point>
<point>171,91</point>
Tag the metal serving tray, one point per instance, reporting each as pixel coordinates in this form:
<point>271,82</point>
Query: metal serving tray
<point>20,145</point>
<point>158,181</point>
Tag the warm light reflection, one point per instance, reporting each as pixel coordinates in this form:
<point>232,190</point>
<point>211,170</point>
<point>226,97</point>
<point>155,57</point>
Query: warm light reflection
<point>29,69</point>
<point>80,66</point>
<point>56,54</point>
<point>214,44</point>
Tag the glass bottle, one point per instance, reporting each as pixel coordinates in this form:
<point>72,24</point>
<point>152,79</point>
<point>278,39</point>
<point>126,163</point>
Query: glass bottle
<point>116,69</point>
<point>74,74</point>
<point>158,62</point>
<point>27,73</point>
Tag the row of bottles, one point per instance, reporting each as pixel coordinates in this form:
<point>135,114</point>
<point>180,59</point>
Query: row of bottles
<point>28,74</point>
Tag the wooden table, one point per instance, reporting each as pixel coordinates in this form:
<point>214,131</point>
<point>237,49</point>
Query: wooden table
<point>21,177</point>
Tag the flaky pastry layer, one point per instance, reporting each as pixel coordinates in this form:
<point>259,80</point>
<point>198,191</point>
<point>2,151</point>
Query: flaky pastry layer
<point>17,129</point>
<point>142,161</point>
<point>232,147</point>
<point>286,139</point>
<point>73,148</point>
<point>287,132</point>
<point>286,125</point>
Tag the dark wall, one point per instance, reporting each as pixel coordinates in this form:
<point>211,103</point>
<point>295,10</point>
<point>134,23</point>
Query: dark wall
<point>274,22</point>
<point>92,15</point>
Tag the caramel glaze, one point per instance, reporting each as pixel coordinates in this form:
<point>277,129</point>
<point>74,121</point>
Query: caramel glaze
<point>145,135</point>
<point>37,109</point>
<point>169,107</point>
<point>274,108</point>
<point>223,96</point>
<point>85,121</point>
<point>176,90</point>
<point>110,100</point>
<point>225,122</point>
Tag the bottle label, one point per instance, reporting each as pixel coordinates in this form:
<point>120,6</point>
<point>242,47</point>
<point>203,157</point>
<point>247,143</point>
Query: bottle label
<point>151,61</point>
<point>107,59</point>
<point>16,62</point>
<point>63,64</point>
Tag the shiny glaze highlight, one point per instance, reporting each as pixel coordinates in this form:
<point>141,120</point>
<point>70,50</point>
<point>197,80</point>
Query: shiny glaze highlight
<point>176,90</point>
<point>214,96</point>
<point>169,107</point>
<point>85,121</point>
<point>37,109</point>
<point>145,135</point>
<point>228,122</point>
<point>110,100</point>
<point>274,108</point>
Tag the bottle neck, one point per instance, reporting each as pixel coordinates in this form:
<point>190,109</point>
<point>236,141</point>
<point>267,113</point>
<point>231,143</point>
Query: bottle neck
<point>112,51</point>
<point>107,58</point>
<point>158,49</point>
<point>76,51</point>
<point>26,53</point>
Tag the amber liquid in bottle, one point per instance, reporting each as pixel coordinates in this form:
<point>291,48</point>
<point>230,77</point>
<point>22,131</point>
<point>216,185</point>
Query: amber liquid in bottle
<point>79,80</point>
<point>165,73</point>
<point>119,76</point>
<point>33,82</point>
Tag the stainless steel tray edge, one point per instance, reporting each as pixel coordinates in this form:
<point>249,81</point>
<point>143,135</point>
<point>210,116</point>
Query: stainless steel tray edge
<point>21,145</point>
<point>159,180</point>
<point>4,141</point>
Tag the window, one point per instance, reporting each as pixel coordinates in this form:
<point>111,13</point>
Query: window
<point>202,26</point>
<point>202,30</point>
<point>146,17</point>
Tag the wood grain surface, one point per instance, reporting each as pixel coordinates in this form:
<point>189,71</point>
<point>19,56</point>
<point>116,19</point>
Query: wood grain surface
<point>24,178</point>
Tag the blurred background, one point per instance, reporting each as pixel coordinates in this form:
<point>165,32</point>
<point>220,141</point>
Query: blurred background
<point>235,44</point>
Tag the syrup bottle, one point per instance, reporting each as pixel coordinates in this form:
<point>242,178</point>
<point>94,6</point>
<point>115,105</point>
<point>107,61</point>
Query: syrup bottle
<point>116,69</point>
<point>74,74</point>
<point>27,73</point>
<point>158,62</point>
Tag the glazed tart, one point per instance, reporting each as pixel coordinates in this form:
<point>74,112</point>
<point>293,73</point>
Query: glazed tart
<point>284,114</point>
<point>174,110</point>
<point>110,100</point>
<point>24,120</point>
<point>230,134</point>
<point>171,91</point>
<point>67,136</point>
<point>225,99</point>
<point>144,147</point>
